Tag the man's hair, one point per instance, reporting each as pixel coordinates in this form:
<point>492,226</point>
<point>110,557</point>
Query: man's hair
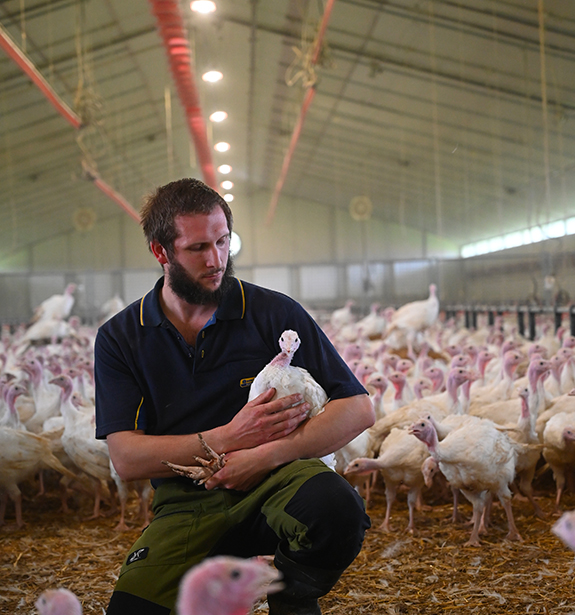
<point>178,198</point>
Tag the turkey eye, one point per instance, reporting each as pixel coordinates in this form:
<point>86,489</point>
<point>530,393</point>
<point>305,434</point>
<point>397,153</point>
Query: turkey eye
<point>235,574</point>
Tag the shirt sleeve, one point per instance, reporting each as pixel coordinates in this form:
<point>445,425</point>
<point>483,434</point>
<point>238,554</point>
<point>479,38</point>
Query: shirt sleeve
<point>119,398</point>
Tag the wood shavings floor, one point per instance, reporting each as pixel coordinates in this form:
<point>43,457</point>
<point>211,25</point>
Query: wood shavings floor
<point>396,573</point>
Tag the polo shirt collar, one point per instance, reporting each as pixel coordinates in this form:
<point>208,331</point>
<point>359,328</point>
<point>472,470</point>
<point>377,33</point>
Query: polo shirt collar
<point>232,307</point>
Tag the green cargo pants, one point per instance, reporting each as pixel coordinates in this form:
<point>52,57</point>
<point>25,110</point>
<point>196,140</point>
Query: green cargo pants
<point>189,521</point>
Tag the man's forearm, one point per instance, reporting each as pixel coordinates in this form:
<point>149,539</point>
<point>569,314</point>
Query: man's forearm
<point>137,456</point>
<point>340,422</point>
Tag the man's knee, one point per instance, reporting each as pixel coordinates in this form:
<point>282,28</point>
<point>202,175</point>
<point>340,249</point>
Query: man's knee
<point>335,516</point>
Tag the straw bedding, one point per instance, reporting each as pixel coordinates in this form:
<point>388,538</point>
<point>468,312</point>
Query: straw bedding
<point>429,572</point>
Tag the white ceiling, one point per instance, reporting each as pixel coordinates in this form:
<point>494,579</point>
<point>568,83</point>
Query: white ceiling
<point>433,108</point>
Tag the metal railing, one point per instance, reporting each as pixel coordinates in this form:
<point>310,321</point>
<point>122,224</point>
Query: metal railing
<point>523,312</point>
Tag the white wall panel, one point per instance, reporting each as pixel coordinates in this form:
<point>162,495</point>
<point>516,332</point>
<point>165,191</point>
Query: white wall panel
<point>411,278</point>
<point>358,274</point>
<point>276,278</point>
<point>138,283</point>
<point>319,283</point>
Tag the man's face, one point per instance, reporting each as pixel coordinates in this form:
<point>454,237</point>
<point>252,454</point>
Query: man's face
<point>200,270</point>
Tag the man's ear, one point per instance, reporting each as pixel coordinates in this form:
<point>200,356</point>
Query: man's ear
<point>159,252</point>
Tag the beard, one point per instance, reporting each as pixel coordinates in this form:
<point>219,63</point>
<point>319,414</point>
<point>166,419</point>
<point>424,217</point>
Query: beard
<point>193,293</point>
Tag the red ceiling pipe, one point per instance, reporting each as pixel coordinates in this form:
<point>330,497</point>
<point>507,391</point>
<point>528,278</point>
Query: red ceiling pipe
<point>171,28</point>
<point>29,69</point>
<point>299,124</point>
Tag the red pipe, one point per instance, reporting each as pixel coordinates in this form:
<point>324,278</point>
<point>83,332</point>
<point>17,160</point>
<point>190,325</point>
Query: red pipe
<point>29,69</point>
<point>299,124</point>
<point>171,27</point>
<point>118,198</point>
<point>24,63</point>
<point>287,159</point>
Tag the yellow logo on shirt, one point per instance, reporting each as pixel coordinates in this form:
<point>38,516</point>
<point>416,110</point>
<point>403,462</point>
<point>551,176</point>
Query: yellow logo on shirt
<point>246,382</point>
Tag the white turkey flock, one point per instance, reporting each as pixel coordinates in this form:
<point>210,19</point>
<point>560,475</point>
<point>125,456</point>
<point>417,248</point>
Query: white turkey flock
<point>453,373</point>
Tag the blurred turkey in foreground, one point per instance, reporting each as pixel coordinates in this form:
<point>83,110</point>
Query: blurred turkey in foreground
<point>565,529</point>
<point>218,586</point>
<point>58,602</point>
<point>226,586</point>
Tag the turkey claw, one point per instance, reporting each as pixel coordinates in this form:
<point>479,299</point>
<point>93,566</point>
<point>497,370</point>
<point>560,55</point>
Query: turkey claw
<point>206,468</point>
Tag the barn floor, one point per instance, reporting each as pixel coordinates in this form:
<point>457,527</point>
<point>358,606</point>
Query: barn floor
<point>429,572</point>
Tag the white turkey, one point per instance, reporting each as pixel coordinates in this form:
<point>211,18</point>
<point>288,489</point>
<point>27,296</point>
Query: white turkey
<point>46,396</point>
<point>439,406</point>
<point>287,379</point>
<point>478,461</point>
<point>507,410</point>
<point>222,585</point>
<point>565,529</point>
<point>503,387</point>
<point>89,454</point>
<point>22,455</point>
<point>559,449</point>
<point>563,403</point>
<point>342,316</point>
<point>56,307</point>
<point>400,459</point>
<point>59,601</point>
<point>527,457</point>
<point>111,308</point>
<point>372,326</point>
<point>226,585</point>
<point>411,319</point>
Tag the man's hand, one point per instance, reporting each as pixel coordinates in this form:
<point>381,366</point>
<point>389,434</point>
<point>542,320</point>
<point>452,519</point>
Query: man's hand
<point>262,420</point>
<point>242,471</point>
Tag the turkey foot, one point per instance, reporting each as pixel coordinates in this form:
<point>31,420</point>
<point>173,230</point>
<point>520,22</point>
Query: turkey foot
<point>207,468</point>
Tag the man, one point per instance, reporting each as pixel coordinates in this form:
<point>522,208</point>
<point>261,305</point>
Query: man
<point>175,368</point>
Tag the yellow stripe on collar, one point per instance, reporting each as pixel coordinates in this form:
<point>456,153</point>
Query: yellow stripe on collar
<point>138,414</point>
<point>142,311</point>
<point>243,298</point>
<point>142,308</point>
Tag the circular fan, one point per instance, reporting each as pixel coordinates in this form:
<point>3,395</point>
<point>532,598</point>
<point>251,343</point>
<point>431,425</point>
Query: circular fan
<point>84,219</point>
<point>360,208</point>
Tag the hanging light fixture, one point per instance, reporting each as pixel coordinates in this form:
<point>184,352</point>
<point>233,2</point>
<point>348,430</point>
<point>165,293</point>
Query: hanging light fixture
<point>218,116</point>
<point>203,6</point>
<point>212,76</point>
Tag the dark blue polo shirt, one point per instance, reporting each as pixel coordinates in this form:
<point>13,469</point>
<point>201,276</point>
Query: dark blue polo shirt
<point>147,377</point>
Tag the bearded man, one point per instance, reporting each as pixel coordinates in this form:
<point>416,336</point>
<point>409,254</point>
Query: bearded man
<point>172,379</point>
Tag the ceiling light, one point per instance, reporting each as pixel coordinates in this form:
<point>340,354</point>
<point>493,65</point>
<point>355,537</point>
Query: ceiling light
<point>225,169</point>
<point>203,6</point>
<point>227,184</point>
<point>228,198</point>
<point>212,76</point>
<point>218,116</point>
<point>222,146</point>
<point>235,244</point>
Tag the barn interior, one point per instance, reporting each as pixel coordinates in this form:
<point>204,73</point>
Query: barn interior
<point>372,151</point>
<point>434,146</point>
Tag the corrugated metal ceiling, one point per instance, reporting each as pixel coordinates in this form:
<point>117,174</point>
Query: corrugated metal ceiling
<point>433,108</point>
